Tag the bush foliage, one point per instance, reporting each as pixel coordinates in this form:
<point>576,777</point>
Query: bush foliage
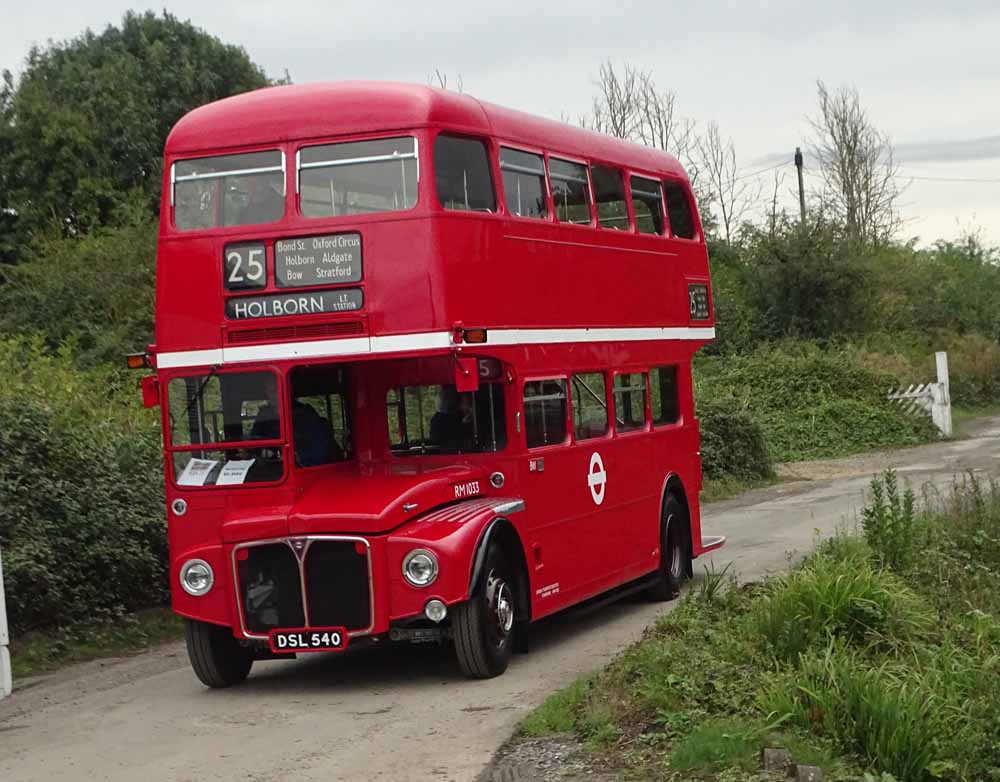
<point>101,298</point>
<point>81,501</point>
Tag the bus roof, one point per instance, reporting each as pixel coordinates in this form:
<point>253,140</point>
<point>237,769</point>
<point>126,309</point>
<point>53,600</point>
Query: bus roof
<point>305,111</point>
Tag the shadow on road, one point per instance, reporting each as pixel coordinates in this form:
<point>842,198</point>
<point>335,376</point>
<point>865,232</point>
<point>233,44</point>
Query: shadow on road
<point>383,666</point>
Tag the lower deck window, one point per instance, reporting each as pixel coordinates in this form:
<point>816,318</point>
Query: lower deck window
<point>590,406</point>
<point>545,412</point>
<point>665,400</point>
<point>630,401</point>
<point>438,419</point>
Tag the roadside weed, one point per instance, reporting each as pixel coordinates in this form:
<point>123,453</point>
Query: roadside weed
<point>557,714</point>
<point>889,521</point>
<point>715,745</point>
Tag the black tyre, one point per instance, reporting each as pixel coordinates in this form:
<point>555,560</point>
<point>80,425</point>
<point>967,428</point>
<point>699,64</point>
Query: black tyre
<point>483,626</point>
<point>218,660</point>
<point>675,553</point>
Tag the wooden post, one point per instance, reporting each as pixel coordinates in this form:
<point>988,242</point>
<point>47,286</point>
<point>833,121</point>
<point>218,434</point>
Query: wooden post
<point>941,411</point>
<point>6,678</point>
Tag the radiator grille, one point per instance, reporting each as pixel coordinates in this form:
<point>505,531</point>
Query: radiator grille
<point>307,331</point>
<point>270,588</point>
<point>337,585</point>
<point>332,577</point>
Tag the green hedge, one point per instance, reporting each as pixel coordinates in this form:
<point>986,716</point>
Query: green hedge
<point>810,403</point>
<point>81,501</point>
<point>732,443</point>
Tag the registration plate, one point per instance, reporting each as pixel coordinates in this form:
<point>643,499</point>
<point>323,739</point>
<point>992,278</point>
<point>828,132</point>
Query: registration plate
<point>312,639</point>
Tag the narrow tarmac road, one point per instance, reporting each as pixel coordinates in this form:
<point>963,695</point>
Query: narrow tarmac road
<point>397,714</point>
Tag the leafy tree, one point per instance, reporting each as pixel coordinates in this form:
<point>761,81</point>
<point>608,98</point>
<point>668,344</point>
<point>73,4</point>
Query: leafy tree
<point>82,132</point>
<point>810,282</point>
<point>95,290</point>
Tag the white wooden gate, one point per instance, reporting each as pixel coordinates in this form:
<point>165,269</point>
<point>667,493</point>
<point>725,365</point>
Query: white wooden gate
<point>6,679</point>
<point>932,398</point>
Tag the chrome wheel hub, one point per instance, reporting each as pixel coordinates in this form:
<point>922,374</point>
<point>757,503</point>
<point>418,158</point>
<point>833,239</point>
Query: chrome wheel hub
<point>504,608</point>
<point>500,603</point>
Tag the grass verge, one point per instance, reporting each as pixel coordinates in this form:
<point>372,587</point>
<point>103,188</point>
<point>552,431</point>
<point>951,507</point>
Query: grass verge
<point>716,489</point>
<point>877,655</point>
<point>41,652</point>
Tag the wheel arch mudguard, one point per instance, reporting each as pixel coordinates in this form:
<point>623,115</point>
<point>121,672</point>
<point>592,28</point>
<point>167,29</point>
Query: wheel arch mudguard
<point>674,486</point>
<point>460,535</point>
<point>500,531</point>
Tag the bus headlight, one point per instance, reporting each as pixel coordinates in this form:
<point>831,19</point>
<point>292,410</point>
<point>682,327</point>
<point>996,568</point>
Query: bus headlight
<point>420,567</point>
<point>197,577</point>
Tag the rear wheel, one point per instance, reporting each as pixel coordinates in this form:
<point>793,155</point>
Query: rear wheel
<point>675,555</point>
<point>217,658</point>
<point>483,626</point>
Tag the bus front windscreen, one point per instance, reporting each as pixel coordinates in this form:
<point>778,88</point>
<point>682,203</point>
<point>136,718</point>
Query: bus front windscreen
<point>210,414</point>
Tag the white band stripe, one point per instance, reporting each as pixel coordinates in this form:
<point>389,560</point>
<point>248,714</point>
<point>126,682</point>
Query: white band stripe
<point>431,340</point>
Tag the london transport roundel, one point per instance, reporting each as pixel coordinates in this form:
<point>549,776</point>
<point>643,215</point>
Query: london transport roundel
<point>597,478</point>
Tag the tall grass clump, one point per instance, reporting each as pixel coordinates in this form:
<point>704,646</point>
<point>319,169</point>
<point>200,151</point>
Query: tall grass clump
<point>827,598</point>
<point>886,715</point>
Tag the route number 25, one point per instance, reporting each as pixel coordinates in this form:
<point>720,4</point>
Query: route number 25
<point>244,266</point>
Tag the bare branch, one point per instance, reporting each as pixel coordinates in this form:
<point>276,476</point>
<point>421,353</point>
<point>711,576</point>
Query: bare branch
<point>730,194</point>
<point>442,81</point>
<point>858,166</point>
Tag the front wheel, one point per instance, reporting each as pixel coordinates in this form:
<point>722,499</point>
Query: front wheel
<point>216,657</point>
<point>675,556</point>
<point>483,626</point>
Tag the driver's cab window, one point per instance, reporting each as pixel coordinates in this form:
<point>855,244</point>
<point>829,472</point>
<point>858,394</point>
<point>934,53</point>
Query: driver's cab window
<point>321,430</point>
<point>225,428</point>
<point>438,419</point>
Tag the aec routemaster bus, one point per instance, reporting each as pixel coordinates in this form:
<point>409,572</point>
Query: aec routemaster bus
<point>424,368</point>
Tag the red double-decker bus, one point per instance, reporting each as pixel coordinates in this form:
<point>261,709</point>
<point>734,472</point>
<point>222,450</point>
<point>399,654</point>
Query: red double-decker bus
<point>424,366</point>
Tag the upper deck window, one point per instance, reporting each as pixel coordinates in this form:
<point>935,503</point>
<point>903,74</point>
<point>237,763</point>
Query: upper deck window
<point>609,193</point>
<point>462,174</point>
<point>679,210</point>
<point>570,191</point>
<point>523,183</point>
<point>647,201</point>
<point>358,177</point>
<point>246,189</point>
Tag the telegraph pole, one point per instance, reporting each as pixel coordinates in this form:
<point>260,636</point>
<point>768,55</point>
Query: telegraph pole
<point>802,189</point>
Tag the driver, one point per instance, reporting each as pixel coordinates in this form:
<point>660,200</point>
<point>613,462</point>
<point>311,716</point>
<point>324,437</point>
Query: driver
<point>314,441</point>
<point>451,425</point>
<point>265,203</point>
<point>267,424</point>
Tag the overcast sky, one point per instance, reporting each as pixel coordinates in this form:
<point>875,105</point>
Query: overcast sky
<point>929,74</point>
